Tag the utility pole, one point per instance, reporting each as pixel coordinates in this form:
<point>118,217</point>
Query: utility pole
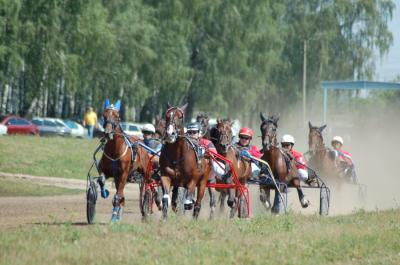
<point>304,80</point>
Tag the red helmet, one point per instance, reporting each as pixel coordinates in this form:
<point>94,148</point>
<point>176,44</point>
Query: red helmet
<point>247,132</point>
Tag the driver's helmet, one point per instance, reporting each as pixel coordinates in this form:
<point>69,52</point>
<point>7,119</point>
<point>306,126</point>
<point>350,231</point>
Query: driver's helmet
<point>287,138</point>
<point>246,132</point>
<point>337,139</point>
<point>148,128</point>
<point>193,127</point>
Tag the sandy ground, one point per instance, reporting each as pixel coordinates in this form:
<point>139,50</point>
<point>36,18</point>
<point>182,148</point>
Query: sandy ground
<point>23,211</point>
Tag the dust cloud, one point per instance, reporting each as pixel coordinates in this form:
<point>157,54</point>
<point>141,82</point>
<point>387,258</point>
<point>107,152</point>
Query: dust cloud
<point>373,140</point>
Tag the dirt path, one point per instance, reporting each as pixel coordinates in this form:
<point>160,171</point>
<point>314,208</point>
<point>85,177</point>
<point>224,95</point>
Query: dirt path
<point>22,211</point>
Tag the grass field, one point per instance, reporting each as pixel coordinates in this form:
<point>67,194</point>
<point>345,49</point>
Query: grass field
<point>10,188</point>
<point>46,156</point>
<point>361,238</point>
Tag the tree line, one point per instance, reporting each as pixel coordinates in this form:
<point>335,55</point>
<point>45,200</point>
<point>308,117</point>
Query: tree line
<point>234,57</point>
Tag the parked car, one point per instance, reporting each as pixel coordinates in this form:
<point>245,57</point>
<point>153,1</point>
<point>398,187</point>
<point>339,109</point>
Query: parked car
<point>3,129</point>
<point>132,129</point>
<point>50,127</point>
<point>99,130</point>
<point>18,125</point>
<point>77,130</point>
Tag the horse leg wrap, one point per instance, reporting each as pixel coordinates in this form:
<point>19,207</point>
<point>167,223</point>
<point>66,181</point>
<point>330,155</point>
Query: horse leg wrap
<point>103,191</point>
<point>166,200</point>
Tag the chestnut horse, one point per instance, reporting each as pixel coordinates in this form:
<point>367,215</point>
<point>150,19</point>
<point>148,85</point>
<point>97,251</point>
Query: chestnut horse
<point>274,156</point>
<point>221,136</point>
<point>321,158</point>
<point>179,165</point>
<point>122,155</point>
<point>160,128</point>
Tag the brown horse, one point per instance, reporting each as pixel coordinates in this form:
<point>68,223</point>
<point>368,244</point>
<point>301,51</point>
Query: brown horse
<point>321,158</point>
<point>160,127</point>
<point>221,136</point>
<point>275,157</point>
<point>121,156</point>
<point>179,165</point>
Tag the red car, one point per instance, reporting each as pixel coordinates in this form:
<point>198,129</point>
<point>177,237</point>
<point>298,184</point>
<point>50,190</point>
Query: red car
<point>18,125</point>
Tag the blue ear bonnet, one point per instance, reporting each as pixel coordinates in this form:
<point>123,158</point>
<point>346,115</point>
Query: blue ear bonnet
<point>116,106</point>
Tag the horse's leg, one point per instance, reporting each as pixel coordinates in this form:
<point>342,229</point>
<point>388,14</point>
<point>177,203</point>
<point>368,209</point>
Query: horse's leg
<point>166,200</point>
<point>175,192</point>
<point>119,198</point>
<point>213,203</point>
<point>231,193</point>
<point>189,195</point>
<point>102,183</point>
<point>265,197</point>
<point>302,198</point>
<point>222,196</point>
<point>200,195</point>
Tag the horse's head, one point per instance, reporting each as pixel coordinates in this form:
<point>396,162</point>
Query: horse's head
<point>111,118</point>
<point>160,127</point>
<point>203,120</point>
<point>223,135</point>
<point>268,131</point>
<point>174,123</point>
<point>315,139</point>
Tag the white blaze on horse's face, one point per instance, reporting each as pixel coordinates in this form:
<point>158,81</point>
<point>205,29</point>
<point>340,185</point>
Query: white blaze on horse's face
<point>171,134</point>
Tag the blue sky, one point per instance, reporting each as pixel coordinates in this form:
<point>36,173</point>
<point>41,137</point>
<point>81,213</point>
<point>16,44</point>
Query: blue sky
<point>389,67</point>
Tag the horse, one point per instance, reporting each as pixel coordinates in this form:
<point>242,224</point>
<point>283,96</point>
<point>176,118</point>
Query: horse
<point>179,164</point>
<point>282,171</point>
<point>160,128</point>
<point>321,158</point>
<point>221,136</point>
<point>203,120</point>
<point>122,155</point>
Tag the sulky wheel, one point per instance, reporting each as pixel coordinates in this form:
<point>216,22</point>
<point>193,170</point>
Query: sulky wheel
<point>147,203</point>
<point>91,198</point>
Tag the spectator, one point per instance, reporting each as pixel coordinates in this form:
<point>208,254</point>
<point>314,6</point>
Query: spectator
<point>90,121</point>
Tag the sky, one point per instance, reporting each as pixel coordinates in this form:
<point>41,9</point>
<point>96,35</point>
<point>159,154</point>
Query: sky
<point>389,67</point>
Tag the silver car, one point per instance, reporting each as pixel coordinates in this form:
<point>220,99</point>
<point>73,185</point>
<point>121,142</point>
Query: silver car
<point>51,127</point>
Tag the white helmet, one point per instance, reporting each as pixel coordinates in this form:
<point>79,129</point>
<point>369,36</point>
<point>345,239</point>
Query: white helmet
<point>148,128</point>
<point>287,138</point>
<point>338,139</point>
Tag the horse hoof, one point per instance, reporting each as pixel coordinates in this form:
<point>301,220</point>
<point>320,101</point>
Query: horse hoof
<point>105,193</point>
<point>305,203</point>
<point>267,205</point>
<point>114,219</point>
<point>230,203</point>
<point>188,205</point>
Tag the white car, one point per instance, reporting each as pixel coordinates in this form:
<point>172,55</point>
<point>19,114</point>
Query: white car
<point>77,130</point>
<point>3,129</point>
<point>132,129</point>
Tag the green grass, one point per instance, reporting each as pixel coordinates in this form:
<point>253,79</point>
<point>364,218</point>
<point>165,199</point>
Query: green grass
<point>361,238</point>
<point>45,156</point>
<point>24,188</point>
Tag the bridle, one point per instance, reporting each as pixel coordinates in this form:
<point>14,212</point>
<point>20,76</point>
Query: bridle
<point>224,139</point>
<point>316,147</point>
<point>172,124</point>
<point>268,134</point>
<point>113,120</point>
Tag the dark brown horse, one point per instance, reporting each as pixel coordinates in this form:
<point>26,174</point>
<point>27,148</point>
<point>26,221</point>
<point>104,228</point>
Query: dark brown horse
<point>203,120</point>
<point>121,156</point>
<point>320,158</point>
<point>275,157</point>
<point>221,135</point>
<point>179,165</point>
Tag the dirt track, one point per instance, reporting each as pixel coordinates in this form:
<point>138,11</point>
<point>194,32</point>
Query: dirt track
<point>21,211</point>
